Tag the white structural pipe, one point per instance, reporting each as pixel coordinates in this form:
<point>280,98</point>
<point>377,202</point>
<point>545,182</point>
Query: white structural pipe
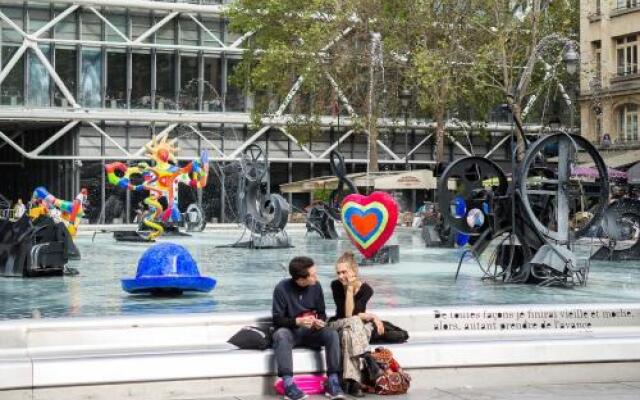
<point>213,9</point>
<point>155,27</point>
<point>238,118</point>
<point>144,45</point>
<point>336,144</point>
<point>55,137</point>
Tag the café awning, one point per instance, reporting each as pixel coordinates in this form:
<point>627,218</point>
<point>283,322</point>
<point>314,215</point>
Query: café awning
<point>417,179</point>
<point>396,180</point>
<point>330,182</point>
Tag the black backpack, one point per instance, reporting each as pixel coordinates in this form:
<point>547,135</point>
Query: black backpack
<point>392,334</point>
<point>252,338</point>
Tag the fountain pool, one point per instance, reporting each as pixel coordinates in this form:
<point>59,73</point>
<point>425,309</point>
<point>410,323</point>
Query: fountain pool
<point>424,277</point>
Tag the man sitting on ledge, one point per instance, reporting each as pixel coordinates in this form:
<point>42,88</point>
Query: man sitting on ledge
<point>299,319</point>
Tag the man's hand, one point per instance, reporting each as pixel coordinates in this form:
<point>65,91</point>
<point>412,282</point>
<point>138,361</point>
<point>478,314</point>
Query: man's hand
<point>318,323</point>
<point>305,322</point>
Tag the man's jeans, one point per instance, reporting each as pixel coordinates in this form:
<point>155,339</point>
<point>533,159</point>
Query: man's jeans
<point>285,339</point>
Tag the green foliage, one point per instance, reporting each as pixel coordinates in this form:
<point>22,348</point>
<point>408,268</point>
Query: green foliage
<point>459,58</point>
<point>322,194</point>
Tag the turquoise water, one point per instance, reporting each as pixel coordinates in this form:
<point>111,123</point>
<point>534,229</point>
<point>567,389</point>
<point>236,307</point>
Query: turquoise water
<point>246,278</point>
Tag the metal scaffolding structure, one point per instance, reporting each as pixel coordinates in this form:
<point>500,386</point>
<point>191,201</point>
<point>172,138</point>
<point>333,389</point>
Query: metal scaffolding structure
<point>204,112</point>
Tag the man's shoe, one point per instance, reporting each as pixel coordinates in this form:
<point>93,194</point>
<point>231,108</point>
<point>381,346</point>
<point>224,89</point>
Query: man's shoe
<point>355,389</point>
<point>293,392</point>
<point>333,391</point>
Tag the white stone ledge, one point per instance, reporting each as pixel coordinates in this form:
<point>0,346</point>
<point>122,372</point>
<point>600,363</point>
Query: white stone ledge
<point>96,351</point>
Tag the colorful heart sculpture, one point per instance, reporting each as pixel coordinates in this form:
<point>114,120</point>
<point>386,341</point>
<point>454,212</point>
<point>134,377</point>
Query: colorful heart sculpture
<point>369,220</point>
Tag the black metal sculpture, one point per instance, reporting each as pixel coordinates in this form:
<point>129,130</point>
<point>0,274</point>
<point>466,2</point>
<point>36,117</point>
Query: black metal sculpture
<point>264,214</point>
<point>39,248</point>
<point>532,216</point>
<point>621,229</point>
<point>321,217</point>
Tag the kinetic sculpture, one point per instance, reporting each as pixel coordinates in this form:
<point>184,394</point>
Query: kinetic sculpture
<point>264,214</point>
<point>534,216</point>
<point>161,179</point>
<point>71,211</point>
<point>35,248</point>
<point>167,269</point>
<point>621,229</point>
<point>321,217</point>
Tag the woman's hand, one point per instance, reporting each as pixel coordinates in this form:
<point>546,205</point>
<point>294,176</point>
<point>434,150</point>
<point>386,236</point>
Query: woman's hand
<point>379,326</point>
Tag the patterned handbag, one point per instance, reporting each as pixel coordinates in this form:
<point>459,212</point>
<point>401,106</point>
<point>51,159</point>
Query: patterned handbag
<point>393,380</point>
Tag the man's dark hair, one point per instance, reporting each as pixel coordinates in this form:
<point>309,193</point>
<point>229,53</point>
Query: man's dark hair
<point>299,267</point>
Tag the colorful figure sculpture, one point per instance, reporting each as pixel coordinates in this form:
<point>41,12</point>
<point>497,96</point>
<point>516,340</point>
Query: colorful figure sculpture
<point>71,212</point>
<point>161,180</point>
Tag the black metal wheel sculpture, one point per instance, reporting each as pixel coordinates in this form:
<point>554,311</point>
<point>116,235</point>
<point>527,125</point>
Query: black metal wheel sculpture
<point>264,214</point>
<point>563,195</point>
<point>533,216</point>
<point>478,180</point>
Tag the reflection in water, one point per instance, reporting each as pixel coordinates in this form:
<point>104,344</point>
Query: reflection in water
<point>91,87</point>
<point>38,87</point>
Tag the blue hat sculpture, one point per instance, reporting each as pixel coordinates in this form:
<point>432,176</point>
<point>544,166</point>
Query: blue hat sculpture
<point>167,269</point>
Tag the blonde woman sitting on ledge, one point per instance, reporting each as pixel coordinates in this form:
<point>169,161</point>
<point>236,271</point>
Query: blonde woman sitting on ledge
<point>353,323</point>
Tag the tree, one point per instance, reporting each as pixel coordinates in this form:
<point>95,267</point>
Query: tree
<point>516,34</point>
<point>360,53</point>
<point>329,50</point>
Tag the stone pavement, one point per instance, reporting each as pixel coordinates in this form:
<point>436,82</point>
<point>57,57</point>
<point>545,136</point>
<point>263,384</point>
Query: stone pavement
<point>577,391</point>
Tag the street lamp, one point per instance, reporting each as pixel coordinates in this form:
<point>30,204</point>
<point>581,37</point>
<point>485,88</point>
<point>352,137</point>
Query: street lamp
<point>571,60</point>
<point>405,99</point>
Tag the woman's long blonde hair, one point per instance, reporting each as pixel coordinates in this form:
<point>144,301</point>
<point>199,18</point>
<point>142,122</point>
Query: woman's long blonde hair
<point>350,259</point>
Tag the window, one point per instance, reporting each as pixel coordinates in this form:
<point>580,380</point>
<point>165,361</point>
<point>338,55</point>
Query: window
<point>91,26</point>
<point>235,92</point>
<point>38,80</point>
<point>91,85</point>
<point>66,29</point>
<point>628,122</point>
<point>189,82</point>
<point>8,33</point>
<point>621,4</point>
<point>188,32</point>
<point>165,81</point>
<point>120,22</point>
<point>38,18</point>
<point>116,79</point>
<point>212,99</point>
<point>597,56</point>
<point>66,69</point>
<point>141,80</point>
<point>11,90</point>
<point>597,8</point>
<point>627,55</point>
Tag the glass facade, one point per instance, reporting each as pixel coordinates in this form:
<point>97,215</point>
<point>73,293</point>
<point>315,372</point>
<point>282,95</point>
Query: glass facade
<point>177,67</point>
<point>12,89</point>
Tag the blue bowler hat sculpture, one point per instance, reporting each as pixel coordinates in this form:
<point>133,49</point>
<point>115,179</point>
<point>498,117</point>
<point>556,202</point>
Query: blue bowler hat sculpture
<point>167,269</point>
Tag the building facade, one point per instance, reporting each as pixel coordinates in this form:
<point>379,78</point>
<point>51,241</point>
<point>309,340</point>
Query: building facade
<point>610,76</point>
<point>86,82</point>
